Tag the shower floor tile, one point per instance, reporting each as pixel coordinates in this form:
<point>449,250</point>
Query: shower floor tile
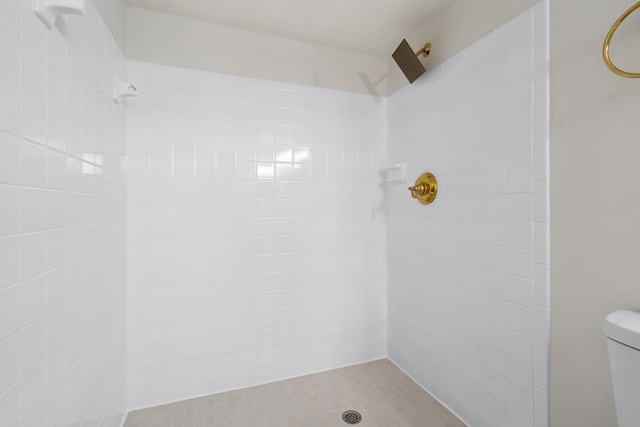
<point>381,392</point>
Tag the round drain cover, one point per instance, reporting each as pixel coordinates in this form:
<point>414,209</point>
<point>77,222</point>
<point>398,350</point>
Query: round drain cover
<point>351,417</point>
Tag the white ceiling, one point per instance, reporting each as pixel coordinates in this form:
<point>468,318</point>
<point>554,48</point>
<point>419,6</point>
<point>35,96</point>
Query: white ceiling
<point>367,26</point>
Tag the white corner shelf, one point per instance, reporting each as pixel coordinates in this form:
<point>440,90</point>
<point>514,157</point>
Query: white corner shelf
<point>49,10</point>
<point>122,90</point>
<point>394,174</point>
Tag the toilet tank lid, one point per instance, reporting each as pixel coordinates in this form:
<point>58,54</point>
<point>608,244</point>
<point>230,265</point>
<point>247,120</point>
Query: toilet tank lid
<point>623,326</point>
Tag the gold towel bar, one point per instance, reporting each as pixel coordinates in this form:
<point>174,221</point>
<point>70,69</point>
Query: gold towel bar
<point>607,41</point>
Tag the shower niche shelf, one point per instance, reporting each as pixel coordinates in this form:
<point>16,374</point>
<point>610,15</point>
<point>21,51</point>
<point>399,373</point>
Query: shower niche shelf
<point>394,174</point>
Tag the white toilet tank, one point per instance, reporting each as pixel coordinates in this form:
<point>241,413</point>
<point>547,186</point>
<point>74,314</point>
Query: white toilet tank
<point>622,329</point>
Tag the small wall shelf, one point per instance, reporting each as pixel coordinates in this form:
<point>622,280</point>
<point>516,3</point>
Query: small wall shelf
<point>394,174</point>
<point>49,10</point>
<point>122,90</point>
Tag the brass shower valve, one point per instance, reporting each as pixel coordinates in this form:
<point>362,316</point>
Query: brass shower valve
<point>425,188</point>
<point>419,190</point>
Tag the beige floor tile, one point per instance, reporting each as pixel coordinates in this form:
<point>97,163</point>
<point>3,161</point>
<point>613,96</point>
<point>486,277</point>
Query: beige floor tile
<point>381,392</point>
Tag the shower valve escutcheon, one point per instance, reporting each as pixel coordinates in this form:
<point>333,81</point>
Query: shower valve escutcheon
<point>425,188</point>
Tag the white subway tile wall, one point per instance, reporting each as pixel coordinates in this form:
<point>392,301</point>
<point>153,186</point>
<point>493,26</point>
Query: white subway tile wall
<point>256,240</point>
<point>62,222</point>
<point>469,275</point>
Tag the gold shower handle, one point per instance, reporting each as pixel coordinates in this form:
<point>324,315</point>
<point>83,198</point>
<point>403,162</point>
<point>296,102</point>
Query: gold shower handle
<point>419,190</point>
<point>425,188</point>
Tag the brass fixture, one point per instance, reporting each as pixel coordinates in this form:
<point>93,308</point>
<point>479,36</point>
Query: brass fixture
<point>607,41</point>
<point>425,51</point>
<point>425,189</point>
<point>409,62</point>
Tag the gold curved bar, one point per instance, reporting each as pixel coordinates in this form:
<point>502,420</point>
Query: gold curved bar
<point>607,41</point>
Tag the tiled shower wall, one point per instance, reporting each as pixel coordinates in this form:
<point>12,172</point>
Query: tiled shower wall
<point>255,235</point>
<point>62,222</point>
<point>469,274</point>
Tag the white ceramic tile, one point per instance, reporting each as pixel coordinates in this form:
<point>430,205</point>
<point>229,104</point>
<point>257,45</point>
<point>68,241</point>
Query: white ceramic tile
<point>494,233</point>
<point>33,118</point>
<point>480,230</point>
<point>494,309</point>
<point>57,53</point>
<point>9,159</point>
<point>185,371</point>
<point>10,367</point>
<point>493,156</point>
<point>520,235</point>
<point>33,165</point>
<point>495,207</point>
<point>34,75</point>
<point>520,263</point>
<point>495,387</point>
<point>38,417</point>
<point>160,375</point>
<point>10,213</point>
<point>519,346</point>
<point>517,155</point>
<point>494,258</point>
<point>56,91</point>
<point>541,366</point>
<point>33,252</point>
<point>33,344</point>
<point>541,315</point>
<point>33,209</point>
<point>514,420</point>
<point>9,108</point>
<point>519,207</point>
<point>541,285</point>
<point>57,367</point>
<point>541,201</point>
<point>32,32</point>
<point>494,180</point>
<point>32,390</point>
<point>541,399</point>
<point>56,129</point>
<point>56,329</point>
<point>494,412</point>
<point>10,405</point>
<point>520,375</point>
<point>520,403</point>
<point>9,58</point>
<point>520,319</point>
<point>518,179</point>
<point>56,404</point>
<point>541,160</point>
<point>10,254</point>
<point>519,290</point>
<point>33,299</point>
<point>541,243</point>
<point>74,104</point>
<point>44,186</point>
<point>261,227</point>
<point>56,288</point>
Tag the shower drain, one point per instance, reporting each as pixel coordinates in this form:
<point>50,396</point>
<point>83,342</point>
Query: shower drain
<point>351,417</point>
